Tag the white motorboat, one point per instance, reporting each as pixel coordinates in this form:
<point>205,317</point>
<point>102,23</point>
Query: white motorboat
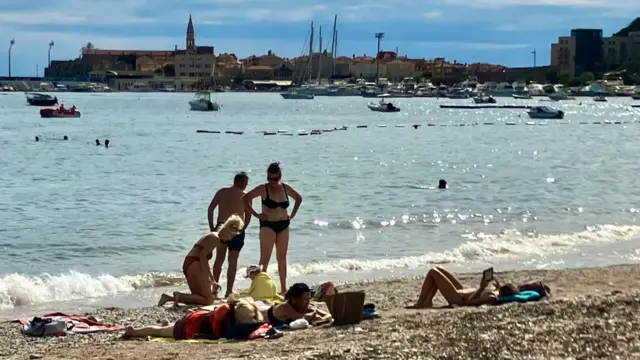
<point>459,94</point>
<point>202,102</point>
<point>484,100</point>
<point>295,95</point>
<point>383,106</point>
<point>560,96</point>
<point>545,112</point>
<point>524,96</point>
<point>600,98</point>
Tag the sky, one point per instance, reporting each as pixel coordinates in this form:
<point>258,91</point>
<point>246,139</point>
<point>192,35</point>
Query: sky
<point>495,31</point>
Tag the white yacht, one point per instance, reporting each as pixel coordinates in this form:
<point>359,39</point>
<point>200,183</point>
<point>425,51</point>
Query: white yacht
<point>140,87</point>
<point>503,89</point>
<point>545,112</point>
<point>202,102</point>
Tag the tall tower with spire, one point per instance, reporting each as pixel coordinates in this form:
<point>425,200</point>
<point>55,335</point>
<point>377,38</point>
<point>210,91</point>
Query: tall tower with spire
<point>191,36</point>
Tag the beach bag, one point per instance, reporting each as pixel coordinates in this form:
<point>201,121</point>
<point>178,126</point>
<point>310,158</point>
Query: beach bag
<point>346,308</point>
<point>538,287</point>
<point>45,327</point>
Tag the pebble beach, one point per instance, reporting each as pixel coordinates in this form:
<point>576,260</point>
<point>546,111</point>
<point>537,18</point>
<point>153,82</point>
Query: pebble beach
<point>592,314</point>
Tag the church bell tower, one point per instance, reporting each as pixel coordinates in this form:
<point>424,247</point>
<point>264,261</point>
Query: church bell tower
<point>191,36</point>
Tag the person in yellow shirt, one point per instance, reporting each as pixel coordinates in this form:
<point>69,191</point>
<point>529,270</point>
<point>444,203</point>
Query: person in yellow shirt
<point>262,287</point>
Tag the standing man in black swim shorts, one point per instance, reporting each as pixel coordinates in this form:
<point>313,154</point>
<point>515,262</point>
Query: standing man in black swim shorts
<point>229,199</point>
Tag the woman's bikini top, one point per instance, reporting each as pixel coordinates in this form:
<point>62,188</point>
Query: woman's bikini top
<point>272,204</point>
<point>200,247</point>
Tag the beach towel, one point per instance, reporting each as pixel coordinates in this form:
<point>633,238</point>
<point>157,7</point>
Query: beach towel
<point>522,297</point>
<point>262,288</point>
<point>192,341</point>
<point>76,324</point>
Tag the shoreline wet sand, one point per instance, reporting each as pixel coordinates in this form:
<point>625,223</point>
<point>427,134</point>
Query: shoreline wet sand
<point>593,313</point>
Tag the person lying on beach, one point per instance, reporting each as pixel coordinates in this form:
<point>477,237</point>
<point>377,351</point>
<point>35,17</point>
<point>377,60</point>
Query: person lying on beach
<point>196,266</point>
<point>262,288</point>
<point>297,305</point>
<point>439,279</point>
<point>203,324</point>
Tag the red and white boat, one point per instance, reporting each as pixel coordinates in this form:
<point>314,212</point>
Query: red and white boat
<point>60,112</point>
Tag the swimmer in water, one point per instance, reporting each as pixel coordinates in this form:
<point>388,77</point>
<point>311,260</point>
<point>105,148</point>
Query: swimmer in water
<point>98,142</point>
<point>37,138</point>
<point>442,184</point>
<point>274,219</point>
<point>106,143</point>
<point>65,137</point>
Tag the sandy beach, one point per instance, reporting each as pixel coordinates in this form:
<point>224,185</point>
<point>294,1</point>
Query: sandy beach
<point>593,313</point>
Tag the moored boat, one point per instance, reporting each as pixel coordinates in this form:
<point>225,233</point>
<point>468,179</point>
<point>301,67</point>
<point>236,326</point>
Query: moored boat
<point>522,96</point>
<point>545,112</point>
<point>202,102</point>
<point>600,98</point>
<point>484,100</point>
<point>295,95</point>
<point>37,99</point>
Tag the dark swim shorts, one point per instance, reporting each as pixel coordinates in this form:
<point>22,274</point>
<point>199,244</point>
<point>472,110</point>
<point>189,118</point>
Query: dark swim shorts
<point>235,244</point>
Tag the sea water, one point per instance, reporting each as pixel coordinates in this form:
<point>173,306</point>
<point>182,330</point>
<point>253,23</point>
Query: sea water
<point>84,226</point>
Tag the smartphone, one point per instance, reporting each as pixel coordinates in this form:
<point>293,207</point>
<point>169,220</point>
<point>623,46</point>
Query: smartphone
<point>487,275</point>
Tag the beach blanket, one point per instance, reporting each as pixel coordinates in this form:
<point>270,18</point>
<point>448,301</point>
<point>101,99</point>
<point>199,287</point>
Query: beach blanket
<point>192,341</point>
<point>74,324</point>
<point>522,297</point>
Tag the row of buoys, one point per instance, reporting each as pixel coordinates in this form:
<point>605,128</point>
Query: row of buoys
<point>106,142</point>
<point>416,126</point>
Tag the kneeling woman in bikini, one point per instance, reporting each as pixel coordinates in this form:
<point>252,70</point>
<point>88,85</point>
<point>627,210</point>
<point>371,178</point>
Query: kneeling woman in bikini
<point>196,266</point>
<point>274,219</point>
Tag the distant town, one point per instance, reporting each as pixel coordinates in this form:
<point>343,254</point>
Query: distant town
<point>576,60</point>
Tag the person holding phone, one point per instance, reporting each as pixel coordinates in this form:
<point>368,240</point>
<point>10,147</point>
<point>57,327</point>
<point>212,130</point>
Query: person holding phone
<point>439,279</point>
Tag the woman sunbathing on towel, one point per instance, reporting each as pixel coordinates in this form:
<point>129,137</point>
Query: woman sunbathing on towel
<point>453,291</point>
<point>296,306</point>
<point>202,324</point>
<point>196,266</point>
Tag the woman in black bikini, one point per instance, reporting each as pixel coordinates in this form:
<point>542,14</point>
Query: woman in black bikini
<point>297,305</point>
<point>196,266</point>
<point>274,219</point>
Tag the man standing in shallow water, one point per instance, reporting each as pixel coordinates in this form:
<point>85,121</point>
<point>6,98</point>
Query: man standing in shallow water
<point>230,203</point>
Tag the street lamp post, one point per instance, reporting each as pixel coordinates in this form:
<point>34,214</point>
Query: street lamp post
<point>535,53</point>
<point>10,46</point>
<point>379,36</point>
<point>49,56</point>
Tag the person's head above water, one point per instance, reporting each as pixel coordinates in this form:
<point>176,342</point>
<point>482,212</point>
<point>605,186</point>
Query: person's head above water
<point>274,173</point>
<point>241,180</point>
<point>106,143</point>
<point>299,296</point>
<point>37,138</point>
<point>97,142</point>
<point>442,184</point>
<point>65,137</point>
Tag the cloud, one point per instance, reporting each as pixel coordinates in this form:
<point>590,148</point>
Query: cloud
<point>433,14</point>
<point>472,45</point>
<point>604,4</point>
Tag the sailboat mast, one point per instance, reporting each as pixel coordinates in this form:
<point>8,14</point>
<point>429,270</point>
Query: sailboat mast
<point>310,53</point>
<point>333,45</point>
<point>320,55</point>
